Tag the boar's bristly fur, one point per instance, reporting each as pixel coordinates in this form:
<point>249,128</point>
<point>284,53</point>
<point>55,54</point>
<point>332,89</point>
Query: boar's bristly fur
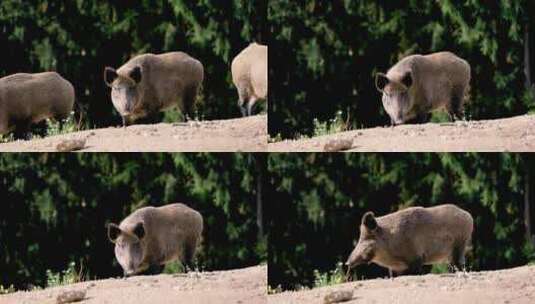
<point>150,237</point>
<point>418,85</point>
<point>148,84</point>
<point>406,240</point>
<point>250,76</point>
<point>26,99</point>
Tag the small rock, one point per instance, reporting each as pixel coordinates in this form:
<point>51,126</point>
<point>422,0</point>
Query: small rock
<point>338,145</point>
<point>70,296</point>
<point>68,145</point>
<point>338,296</point>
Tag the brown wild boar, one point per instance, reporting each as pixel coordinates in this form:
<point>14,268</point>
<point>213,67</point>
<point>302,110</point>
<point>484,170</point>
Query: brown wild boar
<point>250,76</point>
<point>26,99</point>
<point>150,237</point>
<point>418,85</point>
<point>406,240</point>
<point>148,84</point>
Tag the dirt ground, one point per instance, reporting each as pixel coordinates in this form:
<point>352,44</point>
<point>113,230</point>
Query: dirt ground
<point>246,285</point>
<point>509,134</point>
<point>247,134</point>
<point>516,285</point>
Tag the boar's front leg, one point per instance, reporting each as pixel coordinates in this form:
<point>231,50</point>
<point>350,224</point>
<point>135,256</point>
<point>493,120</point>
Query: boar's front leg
<point>154,269</point>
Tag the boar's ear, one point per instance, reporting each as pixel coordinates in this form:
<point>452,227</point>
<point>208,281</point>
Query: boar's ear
<point>368,220</point>
<point>109,76</point>
<point>135,74</point>
<point>139,230</point>
<point>113,232</point>
<point>381,81</point>
<point>407,80</point>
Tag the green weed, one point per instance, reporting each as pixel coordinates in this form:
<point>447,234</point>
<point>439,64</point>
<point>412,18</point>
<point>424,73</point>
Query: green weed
<point>329,278</point>
<point>65,277</point>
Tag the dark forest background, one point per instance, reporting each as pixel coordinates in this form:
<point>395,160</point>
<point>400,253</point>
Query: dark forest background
<point>317,201</point>
<point>324,55</point>
<point>79,38</point>
<point>54,208</point>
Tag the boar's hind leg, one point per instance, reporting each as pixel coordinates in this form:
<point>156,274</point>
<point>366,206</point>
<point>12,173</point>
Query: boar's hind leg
<point>189,252</point>
<point>415,267</point>
<point>243,94</point>
<point>22,130</point>
<point>456,109</point>
<point>189,101</point>
<point>251,106</point>
<point>458,260</point>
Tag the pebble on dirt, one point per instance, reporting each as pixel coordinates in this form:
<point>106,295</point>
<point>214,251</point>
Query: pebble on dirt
<point>335,145</point>
<point>338,296</point>
<point>69,145</point>
<point>70,296</point>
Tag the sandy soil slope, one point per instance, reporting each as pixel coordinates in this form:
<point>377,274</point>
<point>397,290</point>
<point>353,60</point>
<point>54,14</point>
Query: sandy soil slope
<point>508,134</point>
<point>247,134</point>
<point>515,285</point>
<point>246,285</point>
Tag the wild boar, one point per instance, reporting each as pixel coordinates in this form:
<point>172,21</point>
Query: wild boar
<point>26,99</point>
<point>250,76</point>
<point>150,237</point>
<point>418,85</point>
<point>406,240</point>
<point>148,84</point>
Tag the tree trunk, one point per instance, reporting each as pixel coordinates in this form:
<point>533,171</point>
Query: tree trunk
<point>259,20</point>
<point>261,167</point>
<point>527,55</point>
<point>529,198</point>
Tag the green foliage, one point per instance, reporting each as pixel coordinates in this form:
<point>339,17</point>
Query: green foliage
<point>174,267</point>
<point>333,125</point>
<point>64,277</point>
<point>439,268</point>
<point>4,290</point>
<point>68,125</point>
<point>275,290</point>
<point>329,278</point>
<point>327,53</point>
<point>529,252</point>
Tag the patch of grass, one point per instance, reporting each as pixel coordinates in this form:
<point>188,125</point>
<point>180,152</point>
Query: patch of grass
<point>6,138</point>
<point>439,117</point>
<point>174,267</point>
<point>529,252</point>
<point>439,268</point>
<point>4,290</point>
<point>276,138</point>
<point>52,128</point>
<point>275,290</point>
<point>332,126</point>
<point>55,127</point>
<point>68,276</point>
<point>528,99</point>
<point>329,278</point>
<point>178,267</point>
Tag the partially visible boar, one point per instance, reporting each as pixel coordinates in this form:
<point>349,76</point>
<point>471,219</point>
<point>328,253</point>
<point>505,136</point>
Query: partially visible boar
<point>418,85</point>
<point>148,84</point>
<point>26,99</point>
<point>150,237</point>
<point>250,76</point>
<point>406,240</point>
